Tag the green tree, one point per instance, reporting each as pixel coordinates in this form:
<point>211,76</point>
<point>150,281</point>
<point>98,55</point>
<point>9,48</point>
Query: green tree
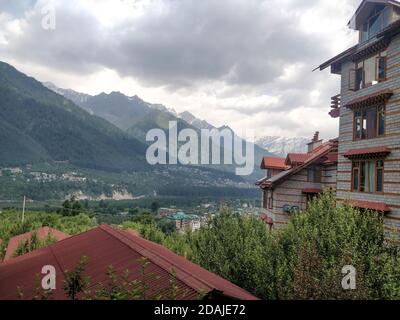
<point>71,207</point>
<point>154,206</point>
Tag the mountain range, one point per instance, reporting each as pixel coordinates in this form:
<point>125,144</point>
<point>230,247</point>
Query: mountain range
<point>136,117</point>
<point>98,145</point>
<point>67,142</point>
<point>281,146</point>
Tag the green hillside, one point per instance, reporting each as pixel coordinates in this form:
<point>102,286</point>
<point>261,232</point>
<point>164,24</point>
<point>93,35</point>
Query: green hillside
<point>38,124</point>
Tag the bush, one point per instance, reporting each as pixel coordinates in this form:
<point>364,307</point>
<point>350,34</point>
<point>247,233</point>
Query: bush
<point>305,259</point>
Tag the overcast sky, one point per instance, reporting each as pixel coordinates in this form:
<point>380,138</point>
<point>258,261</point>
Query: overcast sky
<point>243,63</point>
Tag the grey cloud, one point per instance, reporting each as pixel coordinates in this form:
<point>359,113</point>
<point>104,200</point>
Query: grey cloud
<point>243,43</point>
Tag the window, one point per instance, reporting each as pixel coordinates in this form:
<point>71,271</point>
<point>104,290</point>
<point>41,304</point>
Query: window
<point>379,176</point>
<point>368,72</point>
<point>368,176</point>
<point>369,123</point>
<point>314,175</point>
<point>381,121</point>
<point>380,64</point>
<point>271,200</point>
<point>379,20</point>
<point>265,199</point>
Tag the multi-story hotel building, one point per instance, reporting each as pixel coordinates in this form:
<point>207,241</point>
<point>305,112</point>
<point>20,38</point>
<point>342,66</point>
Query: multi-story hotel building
<point>369,111</point>
<point>368,159</point>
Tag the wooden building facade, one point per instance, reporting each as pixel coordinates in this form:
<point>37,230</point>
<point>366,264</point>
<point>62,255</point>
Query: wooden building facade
<point>369,112</point>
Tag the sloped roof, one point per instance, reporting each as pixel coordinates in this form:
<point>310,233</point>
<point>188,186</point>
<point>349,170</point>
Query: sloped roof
<point>179,216</point>
<point>367,152</point>
<point>371,99</point>
<point>42,234</point>
<point>273,163</point>
<point>106,246</point>
<point>353,23</point>
<point>296,158</point>
<point>386,33</point>
<point>317,154</point>
<point>375,206</point>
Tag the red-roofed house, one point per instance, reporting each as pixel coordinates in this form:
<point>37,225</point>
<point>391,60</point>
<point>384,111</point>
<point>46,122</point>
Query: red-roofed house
<point>106,246</point>
<point>42,234</point>
<point>305,176</point>
<point>368,108</point>
<point>273,165</point>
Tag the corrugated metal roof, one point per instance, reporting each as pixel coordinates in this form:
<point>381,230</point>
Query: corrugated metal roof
<point>105,246</point>
<point>42,234</point>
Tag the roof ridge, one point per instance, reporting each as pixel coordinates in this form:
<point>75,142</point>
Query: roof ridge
<point>130,237</point>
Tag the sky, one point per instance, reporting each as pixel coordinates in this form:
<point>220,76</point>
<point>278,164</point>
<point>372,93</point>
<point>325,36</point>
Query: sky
<point>243,63</point>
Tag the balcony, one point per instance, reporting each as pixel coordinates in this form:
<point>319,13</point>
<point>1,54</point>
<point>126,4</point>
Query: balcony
<point>335,106</point>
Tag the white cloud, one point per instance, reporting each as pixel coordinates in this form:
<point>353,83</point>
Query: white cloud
<point>244,63</point>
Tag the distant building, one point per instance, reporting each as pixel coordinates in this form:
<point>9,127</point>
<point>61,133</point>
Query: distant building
<point>186,223</point>
<point>165,212</point>
<point>273,166</point>
<point>305,176</point>
<point>104,246</point>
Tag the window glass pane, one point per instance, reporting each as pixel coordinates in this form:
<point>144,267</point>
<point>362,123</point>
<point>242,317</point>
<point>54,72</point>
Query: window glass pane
<point>386,17</point>
<point>364,32</point>
<point>364,125</point>
<point>369,176</point>
<point>358,126</point>
<point>371,117</point>
<point>359,78</point>
<point>374,25</point>
<point>362,176</point>
<point>369,71</point>
<point>379,180</point>
<point>381,123</point>
<point>381,69</point>
<point>355,180</point>
<point>310,175</point>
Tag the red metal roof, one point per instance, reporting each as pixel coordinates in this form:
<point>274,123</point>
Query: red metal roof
<point>331,158</point>
<point>296,158</point>
<point>367,152</point>
<point>42,234</point>
<point>309,158</point>
<point>371,99</point>
<point>106,246</point>
<point>273,163</point>
<point>376,206</point>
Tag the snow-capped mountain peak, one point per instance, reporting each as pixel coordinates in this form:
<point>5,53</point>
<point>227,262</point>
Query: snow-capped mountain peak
<point>283,145</point>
